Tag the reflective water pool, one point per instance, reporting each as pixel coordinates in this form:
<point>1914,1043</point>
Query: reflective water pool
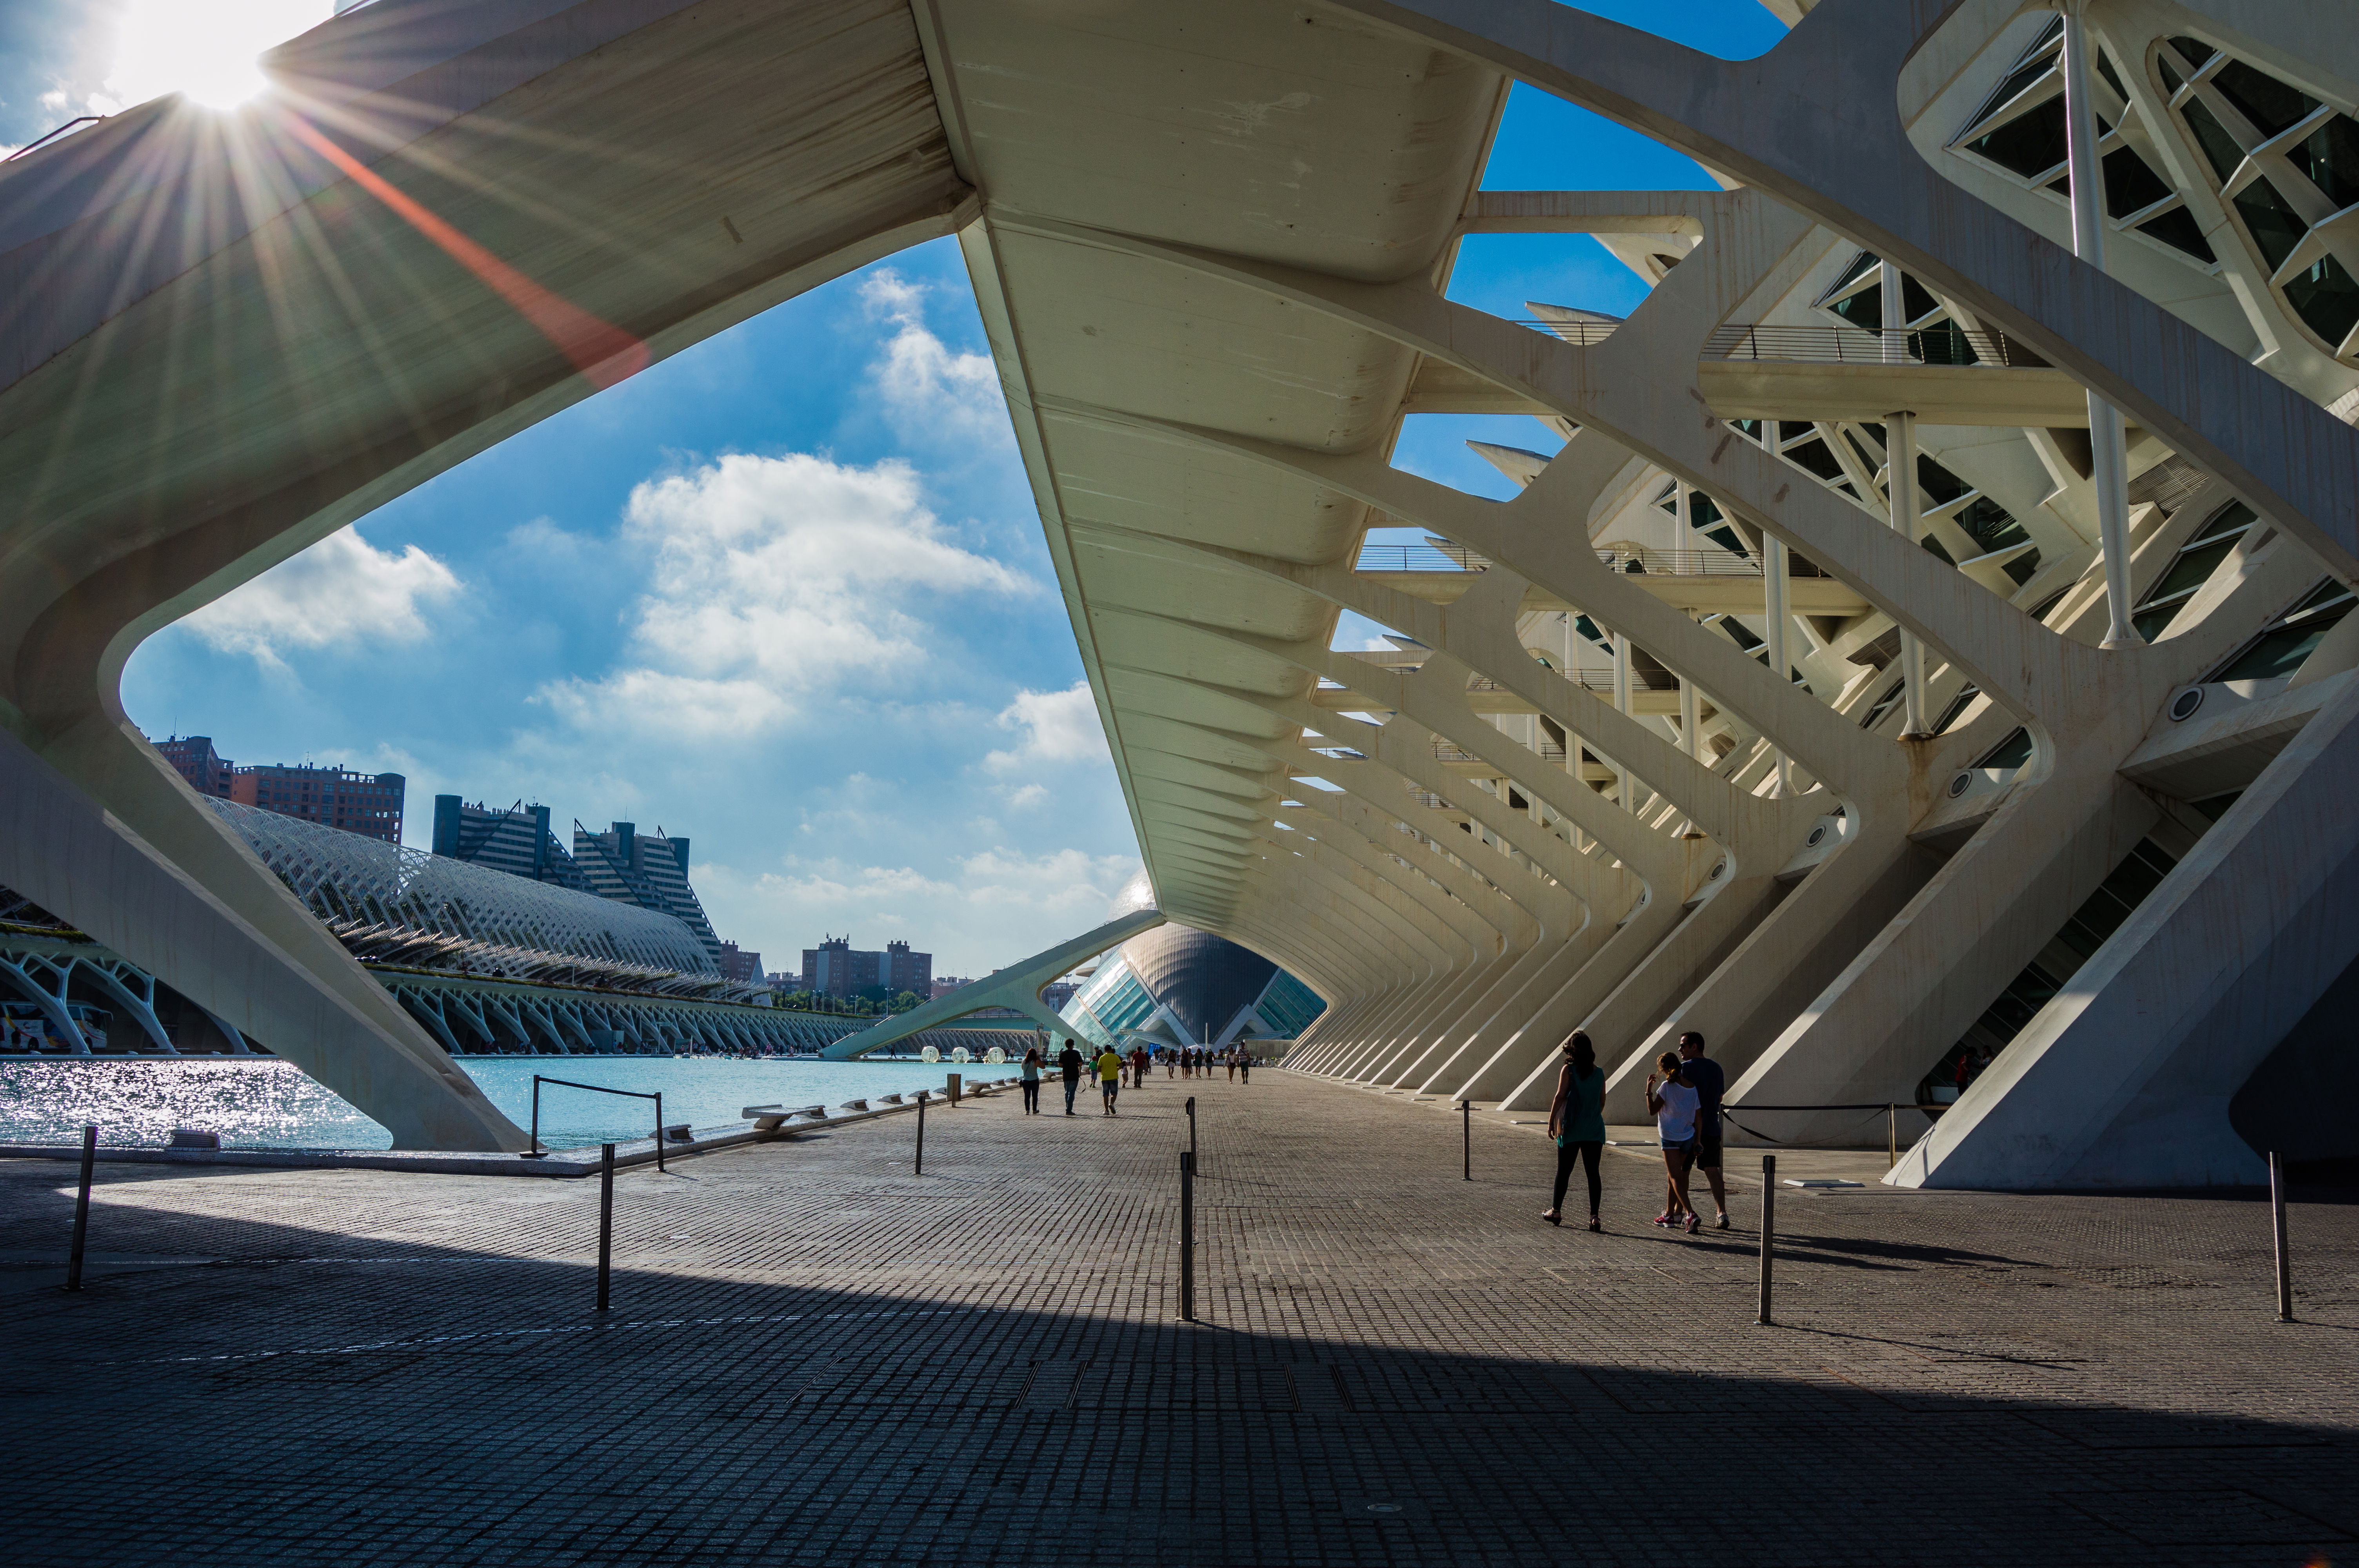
<point>266,1104</point>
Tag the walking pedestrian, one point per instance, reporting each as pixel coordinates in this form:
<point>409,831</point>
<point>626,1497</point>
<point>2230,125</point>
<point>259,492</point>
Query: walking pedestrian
<point>1577,1122</point>
<point>1231,1056</point>
<point>1137,1066</point>
<point>1673,1106</point>
<point>1244,1066</point>
<point>1069,1063</point>
<point>1170,1063</point>
<point>1032,1081</point>
<point>1710,1081</point>
<point>1109,1079</point>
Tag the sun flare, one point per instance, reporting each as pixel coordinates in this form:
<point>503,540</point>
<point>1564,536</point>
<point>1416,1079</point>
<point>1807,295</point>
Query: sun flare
<point>209,52</point>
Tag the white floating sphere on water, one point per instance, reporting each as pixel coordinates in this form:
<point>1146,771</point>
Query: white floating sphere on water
<point>930,1053</point>
<point>995,1056</point>
<point>961,1054</point>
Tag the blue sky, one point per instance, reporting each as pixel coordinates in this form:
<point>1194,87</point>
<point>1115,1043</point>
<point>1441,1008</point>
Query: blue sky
<point>784,593</point>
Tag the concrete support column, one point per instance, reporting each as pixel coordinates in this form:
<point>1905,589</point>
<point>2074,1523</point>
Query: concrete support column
<point>1908,515</point>
<point>2108,445</point>
<point>1779,604</point>
<point>1622,704</point>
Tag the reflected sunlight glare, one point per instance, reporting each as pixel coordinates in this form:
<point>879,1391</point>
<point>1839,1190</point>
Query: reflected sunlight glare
<point>207,50</point>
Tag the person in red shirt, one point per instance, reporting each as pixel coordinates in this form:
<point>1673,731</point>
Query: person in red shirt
<point>1137,1066</point>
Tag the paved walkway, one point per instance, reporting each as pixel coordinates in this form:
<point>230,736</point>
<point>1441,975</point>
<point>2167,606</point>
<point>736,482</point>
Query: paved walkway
<point>816,1358</point>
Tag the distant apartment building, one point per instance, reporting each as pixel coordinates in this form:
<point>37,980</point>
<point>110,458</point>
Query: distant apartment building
<point>739,966</point>
<point>649,870</point>
<point>366,804</point>
<point>1057,993</point>
<point>837,968</point>
<point>194,758</point>
<point>515,840</point>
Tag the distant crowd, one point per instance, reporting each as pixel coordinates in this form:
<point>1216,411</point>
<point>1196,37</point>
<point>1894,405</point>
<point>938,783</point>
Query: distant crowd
<point>1111,1070</point>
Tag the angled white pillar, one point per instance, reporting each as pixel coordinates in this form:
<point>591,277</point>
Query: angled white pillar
<point>2108,445</point>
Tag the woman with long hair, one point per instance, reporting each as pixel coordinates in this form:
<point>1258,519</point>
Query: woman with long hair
<point>1577,1122</point>
<point>1674,1108</point>
<point>1032,1081</point>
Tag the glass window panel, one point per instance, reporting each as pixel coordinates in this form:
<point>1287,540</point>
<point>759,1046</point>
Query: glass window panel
<point>2275,226</point>
<point>2221,150</point>
<point>1814,457</point>
<point>2194,51</point>
<point>1915,299</point>
<point>2190,570</point>
<point>2113,79</point>
<point>1940,485</point>
<point>2011,753</point>
<point>2030,145</point>
<point>1943,343</point>
<point>2329,156</point>
<point>2180,231</point>
<point>2269,104</point>
<point>2326,297</point>
<point>1885,704</point>
<point>2165,62</point>
<point>1864,309</point>
<point>1935,548</point>
<point>1703,511</point>
<point>2131,184</point>
<point>1795,429</point>
<point>2280,651</point>
<point>1958,705</point>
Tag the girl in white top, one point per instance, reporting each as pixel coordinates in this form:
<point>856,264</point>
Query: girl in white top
<point>1673,1105</point>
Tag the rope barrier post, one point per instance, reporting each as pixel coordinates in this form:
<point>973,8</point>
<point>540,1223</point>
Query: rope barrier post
<point>1187,1238</point>
<point>921,1132</point>
<point>606,1218</point>
<point>2277,1223</point>
<point>1466,1122</point>
<point>1761,1318</point>
<point>1891,1135</point>
<point>1191,1128</point>
<point>89,1166</point>
<point>659,1131</point>
<point>534,1154</point>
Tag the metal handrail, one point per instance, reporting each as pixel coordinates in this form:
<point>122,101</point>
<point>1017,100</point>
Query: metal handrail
<point>1946,343</point>
<point>536,1152</point>
<point>53,136</point>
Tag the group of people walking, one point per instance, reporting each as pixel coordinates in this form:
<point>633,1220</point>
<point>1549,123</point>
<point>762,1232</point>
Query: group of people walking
<point>1109,1069</point>
<point>1683,1097</point>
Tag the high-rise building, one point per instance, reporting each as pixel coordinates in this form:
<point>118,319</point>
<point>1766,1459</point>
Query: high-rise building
<point>515,840</point>
<point>366,804</point>
<point>739,966</point>
<point>838,968</point>
<point>649,870</point>
<point>193,756</point>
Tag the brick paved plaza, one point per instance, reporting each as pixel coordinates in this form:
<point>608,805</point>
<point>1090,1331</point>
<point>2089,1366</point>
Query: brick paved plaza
<point>816,1358</point>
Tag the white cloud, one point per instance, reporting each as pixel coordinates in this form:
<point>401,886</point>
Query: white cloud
<point>772,580</point>
<point>342,591</point>
<point>1059,727</point>
<point>991,908</point>
<point>929,392</point>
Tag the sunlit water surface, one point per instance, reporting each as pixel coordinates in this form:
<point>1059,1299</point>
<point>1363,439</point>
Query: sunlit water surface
<point>267,1104</point>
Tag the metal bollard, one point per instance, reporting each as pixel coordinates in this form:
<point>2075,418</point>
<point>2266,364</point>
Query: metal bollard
<point>81,1208</point>
<point>1187,1238</point>
<point>921,1132</point>
<point>1191,1127</point>
<point>2277,1223</point>
<point>1466,1122</point>
<point>1761,1317</point>
<point>606,1218</point>
<point>659,1131</point>
<point>1891,1135</point>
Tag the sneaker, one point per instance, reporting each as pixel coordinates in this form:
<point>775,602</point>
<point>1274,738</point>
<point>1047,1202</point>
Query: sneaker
<point>1722,1223</point>
<point>1665,1221</point>
<point>1693,1224</point>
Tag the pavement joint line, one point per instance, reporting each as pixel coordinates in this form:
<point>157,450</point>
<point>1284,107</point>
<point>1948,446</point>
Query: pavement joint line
<point>739,1319</point>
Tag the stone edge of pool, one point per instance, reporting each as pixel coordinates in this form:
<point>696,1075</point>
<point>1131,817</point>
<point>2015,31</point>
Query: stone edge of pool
<point>570,1163</point>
